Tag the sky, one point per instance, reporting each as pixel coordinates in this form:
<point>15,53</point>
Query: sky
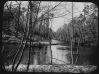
<point>63,8</point>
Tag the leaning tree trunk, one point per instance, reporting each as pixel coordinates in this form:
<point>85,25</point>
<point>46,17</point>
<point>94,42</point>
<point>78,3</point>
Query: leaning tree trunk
<point>20,47</point>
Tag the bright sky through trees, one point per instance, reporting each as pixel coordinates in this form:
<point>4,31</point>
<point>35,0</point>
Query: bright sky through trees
<point>62,9</point>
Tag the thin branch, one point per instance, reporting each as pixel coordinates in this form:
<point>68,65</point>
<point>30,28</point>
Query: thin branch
<point>72,37</point>
<point>9,10</point>
<point>20,45</point>
<point>18,19</point>
<point>60,16</point>
<point>20,56</point>
<point>49,11</point>
<point>30,30</point>
<point>49,36</point>
<point>22,51</point>
<point>77,53</point>
<point>23,46</point>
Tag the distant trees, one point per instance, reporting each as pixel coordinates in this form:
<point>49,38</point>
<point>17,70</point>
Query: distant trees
<point>42,28</point>
<point>81,31</point>
<point>85,27</point>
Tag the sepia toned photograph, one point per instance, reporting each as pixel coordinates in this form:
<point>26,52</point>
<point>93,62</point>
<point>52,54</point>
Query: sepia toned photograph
<point>49,36</point>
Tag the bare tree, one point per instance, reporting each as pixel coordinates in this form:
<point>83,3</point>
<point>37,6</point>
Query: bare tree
<point>72,37</point>
<point>18,18</point>
<point>20,47</point>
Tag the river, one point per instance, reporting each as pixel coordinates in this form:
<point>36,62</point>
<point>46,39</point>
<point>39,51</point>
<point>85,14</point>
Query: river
<point>59,54</point>
<point>42,55</point>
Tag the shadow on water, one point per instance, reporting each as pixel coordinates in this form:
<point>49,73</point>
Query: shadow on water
<point>39,54</point>
<point>83,56</point>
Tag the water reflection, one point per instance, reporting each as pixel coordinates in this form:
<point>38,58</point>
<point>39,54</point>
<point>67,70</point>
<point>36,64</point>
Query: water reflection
<point>42,54</point>
<point>59,56</point>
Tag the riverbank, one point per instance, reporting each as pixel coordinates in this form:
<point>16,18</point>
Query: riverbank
<point>55,68</point>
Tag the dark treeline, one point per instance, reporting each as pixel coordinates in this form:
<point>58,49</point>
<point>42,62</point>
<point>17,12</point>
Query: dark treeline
<point>14,22</point>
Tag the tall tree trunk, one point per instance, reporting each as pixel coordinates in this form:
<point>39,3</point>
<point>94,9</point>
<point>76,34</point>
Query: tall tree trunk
<point>77,54</point>
<point>71,51</point>
<point>49,36</point>
<point>72,39</point>
<point>20,47</point>
<point>17,23</point>
<point>30,33</point>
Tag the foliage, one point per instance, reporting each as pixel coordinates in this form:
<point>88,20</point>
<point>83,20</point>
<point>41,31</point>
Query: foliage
<point>10,19</point>
<point>83,28</point>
